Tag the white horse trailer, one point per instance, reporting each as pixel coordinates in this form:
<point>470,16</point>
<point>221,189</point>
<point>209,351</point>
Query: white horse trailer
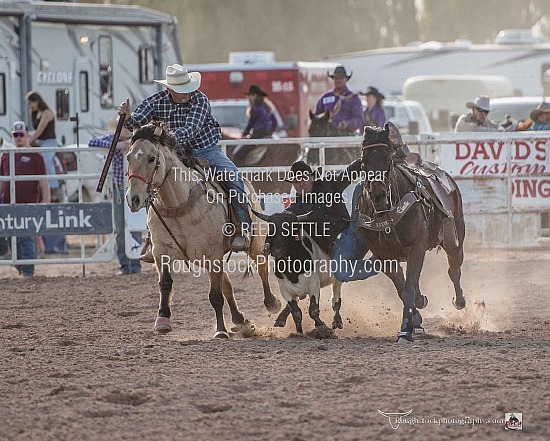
<point>82,58</point>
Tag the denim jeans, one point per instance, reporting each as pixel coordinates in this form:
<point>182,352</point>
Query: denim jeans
<point>26,249</point>
<point>127,265</point>
<point>219,161</point>
<point>350,249</point>
<point>48,159</point>
<point>57,243</point>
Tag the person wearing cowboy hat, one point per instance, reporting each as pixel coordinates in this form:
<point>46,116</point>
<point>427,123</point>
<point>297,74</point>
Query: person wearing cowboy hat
<point>343,106</point>
<point>321,194</point>
<point>261,119</point>
<point>374,113</point>
<point>187,113</point>
<point>477,120</point>
<point>541,117</point>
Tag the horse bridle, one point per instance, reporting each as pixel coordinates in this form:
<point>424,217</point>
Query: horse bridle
<point>157,132</point>
<point>387,184</point>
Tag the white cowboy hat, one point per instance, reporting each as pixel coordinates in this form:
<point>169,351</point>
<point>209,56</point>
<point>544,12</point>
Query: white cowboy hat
<point>179,80</point>
<point>482,102</point>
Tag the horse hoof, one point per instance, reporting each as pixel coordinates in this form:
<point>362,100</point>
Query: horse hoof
<point>404,337</point>
<point>163,325</point>
<point>221,335</point>
<point>459,303</point>
<point>337,325</point>
<point>274,306</point>
<point>279,324</point>
<point>422,302</point>
<point>243,327</point>
<point>418,330</point>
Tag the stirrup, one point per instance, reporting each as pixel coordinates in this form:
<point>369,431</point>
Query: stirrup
<point>147,257</point>
<point>240,242</point>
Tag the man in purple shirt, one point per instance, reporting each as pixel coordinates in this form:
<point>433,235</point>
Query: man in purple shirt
<point>343,105</point>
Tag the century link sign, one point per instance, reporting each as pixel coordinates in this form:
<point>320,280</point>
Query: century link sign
<point>45,219</point>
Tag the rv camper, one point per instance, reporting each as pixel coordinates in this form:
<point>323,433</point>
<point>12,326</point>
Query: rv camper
<point>444,97</point>
<point>83,59</point>
<point>527,66</point>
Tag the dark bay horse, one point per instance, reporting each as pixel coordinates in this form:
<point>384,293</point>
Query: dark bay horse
<point>400,223</point>
<point>321,126</point>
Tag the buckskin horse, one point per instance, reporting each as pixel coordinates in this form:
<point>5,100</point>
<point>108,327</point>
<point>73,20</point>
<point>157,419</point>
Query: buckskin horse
<point>185,225</point>
<point>401,218</point>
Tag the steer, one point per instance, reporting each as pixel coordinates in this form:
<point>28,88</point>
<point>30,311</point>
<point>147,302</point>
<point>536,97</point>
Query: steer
<point>301,267</point>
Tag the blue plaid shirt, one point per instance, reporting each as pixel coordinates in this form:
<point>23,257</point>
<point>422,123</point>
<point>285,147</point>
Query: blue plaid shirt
<point>191,123</point>
<point>118,160</point>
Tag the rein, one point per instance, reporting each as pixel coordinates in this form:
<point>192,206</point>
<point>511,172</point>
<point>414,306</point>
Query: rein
<point>386,220</point>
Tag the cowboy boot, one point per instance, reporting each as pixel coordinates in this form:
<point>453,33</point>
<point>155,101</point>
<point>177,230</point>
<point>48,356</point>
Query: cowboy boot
<point>146,253</point>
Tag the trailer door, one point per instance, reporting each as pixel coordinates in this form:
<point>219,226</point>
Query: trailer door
<point>84,88</point>
<point>5,96</point>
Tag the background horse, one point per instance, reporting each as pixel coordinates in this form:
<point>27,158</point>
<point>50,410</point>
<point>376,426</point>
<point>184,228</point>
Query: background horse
<point>320,126</point>
<point>197,222</point>
<point>406,238</point>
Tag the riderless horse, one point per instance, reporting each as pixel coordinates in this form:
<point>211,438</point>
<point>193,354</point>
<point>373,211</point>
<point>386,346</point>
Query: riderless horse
<point>404,214</point>
<point>185,225</point>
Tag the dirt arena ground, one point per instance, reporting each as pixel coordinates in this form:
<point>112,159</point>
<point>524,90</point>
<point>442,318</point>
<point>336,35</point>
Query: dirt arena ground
<point>79,359</point>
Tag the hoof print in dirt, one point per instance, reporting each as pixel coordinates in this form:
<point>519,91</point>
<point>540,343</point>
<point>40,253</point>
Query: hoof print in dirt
<point>213,408</point>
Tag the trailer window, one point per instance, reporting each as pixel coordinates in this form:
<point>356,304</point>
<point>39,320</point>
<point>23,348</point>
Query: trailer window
<point>84,91</point>
<point>2,94</point>
<point>146,64</point>
<point>62,103</point>
<point>106,71</point>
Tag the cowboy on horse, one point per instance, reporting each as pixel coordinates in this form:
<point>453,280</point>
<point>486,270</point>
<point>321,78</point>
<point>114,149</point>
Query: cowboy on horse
<point>343,106</point>
<point>186,112</point>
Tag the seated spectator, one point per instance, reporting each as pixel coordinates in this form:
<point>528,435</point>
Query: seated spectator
<point>478,119</point>
<point>541,117</point>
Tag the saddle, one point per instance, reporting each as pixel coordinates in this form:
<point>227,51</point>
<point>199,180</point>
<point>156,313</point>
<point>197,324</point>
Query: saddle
<point>222,188</point>
<point>434,185</point>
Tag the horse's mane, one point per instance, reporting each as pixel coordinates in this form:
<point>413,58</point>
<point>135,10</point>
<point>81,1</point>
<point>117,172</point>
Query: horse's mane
<point>166,138</point>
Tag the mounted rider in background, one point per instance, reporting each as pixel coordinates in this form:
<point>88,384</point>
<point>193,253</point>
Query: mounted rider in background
<point>343,106</point>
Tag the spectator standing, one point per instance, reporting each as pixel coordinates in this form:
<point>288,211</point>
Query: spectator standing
<point>26,192</point>
<point>43,121</point>
<point>126,265</point>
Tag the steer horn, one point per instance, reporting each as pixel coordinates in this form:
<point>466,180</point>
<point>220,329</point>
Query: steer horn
<point>262,216</point>
<point>303,217</point>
